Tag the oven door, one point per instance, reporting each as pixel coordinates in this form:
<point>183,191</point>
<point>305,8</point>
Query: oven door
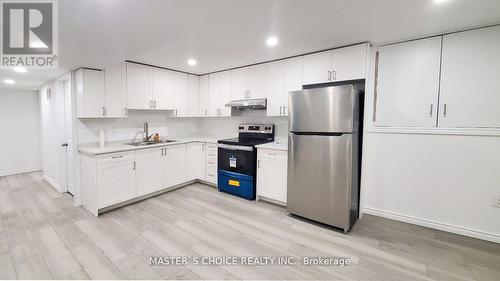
<point>236,159</point>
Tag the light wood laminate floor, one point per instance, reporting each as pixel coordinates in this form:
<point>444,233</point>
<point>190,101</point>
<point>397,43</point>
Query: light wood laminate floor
<point>43,236</point>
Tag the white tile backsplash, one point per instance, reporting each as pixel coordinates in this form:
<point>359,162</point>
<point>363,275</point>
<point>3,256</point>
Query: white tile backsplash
<point>119,129</point>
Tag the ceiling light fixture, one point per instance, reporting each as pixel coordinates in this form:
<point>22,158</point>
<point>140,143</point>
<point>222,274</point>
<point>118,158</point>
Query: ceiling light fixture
<point>20,69</point>
<point>192,62</point>
<point>272,41</point>
<point>440,1</point>
<point>9,81</point>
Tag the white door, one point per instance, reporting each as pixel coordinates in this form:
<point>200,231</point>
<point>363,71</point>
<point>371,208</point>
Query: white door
<point>149,170</point>
<point>349,63</point>
<point>139,86</point>
<point>116,181</point>
<point>115,90</point>
<point>239,83</point>
<point>317,68</point>
<point>175,165</point>
<point>408,84</point>
<point>203,96</point>
<point>257,81</point>
<point>195,161</point>
<point>470,84</point>
<point>272,178</point>
<point>224,93</point>
<point>213,94</point>
<point>181,94</point>
<point>275,87</point>
<point>69,145</point>
<point>292,79</point>
<point>193,96</point>
<point>163,89</point>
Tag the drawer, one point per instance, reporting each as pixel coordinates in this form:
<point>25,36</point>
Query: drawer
<point>272,154</point>
<point>115,158</point>
<point>211,179</point>
<point>211,160</point>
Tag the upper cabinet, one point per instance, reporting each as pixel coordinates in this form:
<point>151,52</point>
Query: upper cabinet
<point>470,84</point>
<point>204,87</point>
<point>283,76</point>
<point>193,96</point>
<point>90,98</point>
<point>139,86</point>
<point>407,84</point>
<point>219,93</point>
<point>162,96</point>
<point>249,82</point>
<point>181,94</point>
<point>348,63</point>
<point>115,90</point>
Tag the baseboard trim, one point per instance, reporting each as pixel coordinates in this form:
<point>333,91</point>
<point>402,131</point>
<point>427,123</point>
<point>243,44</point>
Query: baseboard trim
<point>435,225</point>
<point>17,172</point>
<point>52,183</point>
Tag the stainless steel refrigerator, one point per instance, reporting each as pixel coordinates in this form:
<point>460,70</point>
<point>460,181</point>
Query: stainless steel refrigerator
<point>323,158</point>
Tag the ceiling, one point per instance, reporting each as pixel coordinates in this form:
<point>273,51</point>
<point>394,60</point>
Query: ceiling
<point>221,34</point>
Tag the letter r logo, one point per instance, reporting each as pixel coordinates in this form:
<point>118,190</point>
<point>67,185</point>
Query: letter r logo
<point>27,28</point>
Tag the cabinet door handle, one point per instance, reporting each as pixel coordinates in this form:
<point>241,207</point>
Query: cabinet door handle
<point>203,147</point>
<point>258,163</point>
<point>334,75</point>
<point>134,165</point>
<point>103,111</point>
<point>329,75</point>
<point>284,110</point>
<point>150,104</point>
<point>431,110</point>
<point>206,112</point>
<point>445,109</point>
<point>281,110</point>
<point>125,111</point>
<point>116,157</point>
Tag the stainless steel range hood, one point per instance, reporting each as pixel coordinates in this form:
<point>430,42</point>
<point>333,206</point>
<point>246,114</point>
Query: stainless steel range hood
<point>248,104</point>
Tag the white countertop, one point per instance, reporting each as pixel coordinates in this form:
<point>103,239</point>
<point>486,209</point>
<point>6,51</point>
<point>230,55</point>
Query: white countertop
<point>277,145</point>
<point>120,146</point>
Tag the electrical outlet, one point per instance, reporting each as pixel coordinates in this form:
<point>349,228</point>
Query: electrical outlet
<point>495,202</point>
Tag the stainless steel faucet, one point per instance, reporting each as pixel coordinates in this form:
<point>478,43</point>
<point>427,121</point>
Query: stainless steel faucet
<point>146,135</point>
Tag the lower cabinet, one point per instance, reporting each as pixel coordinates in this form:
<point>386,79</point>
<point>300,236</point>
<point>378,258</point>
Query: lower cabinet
<point>174,169</point>
<point>196,161</point>
<point>272,175</point>
<point>110,179</point>
<point>211,163</point>
<point>149,170</point>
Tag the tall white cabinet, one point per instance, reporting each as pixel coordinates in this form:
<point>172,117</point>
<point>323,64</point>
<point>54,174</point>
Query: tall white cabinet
<point>90,98</point>
<point>407,88</point>
<point>283,76</point>
<point>470,84</point>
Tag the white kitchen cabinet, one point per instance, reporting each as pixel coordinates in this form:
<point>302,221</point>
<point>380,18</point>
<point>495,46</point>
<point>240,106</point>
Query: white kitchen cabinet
<point>115,179</point>
<point>317,68</point>
<point>196,161</point>
<point>149,170</point>
<point>283,76</point>
<point>407,85</point>
<point>219,94</point>
<point>90,97</point>
<point>211,163</point>
<point>272,175</point>
<point>139,86</point>
<point>174,170</point>
<point>193,96</point>
<point>470,84</point>
<point>239,83</point>
<point>181,94</point>
<point>163,89</point>
<point>115,90</point>
<point>204,95</point>
<point>249,82</point>
<point>343,64</point>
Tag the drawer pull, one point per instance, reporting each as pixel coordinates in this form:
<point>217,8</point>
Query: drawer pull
<point>116,157</point>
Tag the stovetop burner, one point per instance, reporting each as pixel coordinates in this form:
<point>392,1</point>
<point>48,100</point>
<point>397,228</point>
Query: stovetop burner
<point>251,135</point>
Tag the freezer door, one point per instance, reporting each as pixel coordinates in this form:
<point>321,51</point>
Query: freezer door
<point>319,178</point>
<point>332,109</point>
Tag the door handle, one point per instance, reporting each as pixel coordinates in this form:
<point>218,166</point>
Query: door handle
<point>64,144</point>
<point>329,75</point>
<point>445,109</point>
<point>431,109</point>
<point>258,163</point>
<point>134,165</point>
<point>155,103</point>
<point>334,75</point>
<point>284,110</point>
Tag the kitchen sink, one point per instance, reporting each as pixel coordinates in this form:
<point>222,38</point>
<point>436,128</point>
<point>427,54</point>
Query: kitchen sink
<point>144,143</point>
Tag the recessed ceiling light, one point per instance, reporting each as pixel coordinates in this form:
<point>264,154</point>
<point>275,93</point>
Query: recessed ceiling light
<point>272,41</point>
<point>9,81</point>
<point>192,62</point>
<point>20,69</point>
<point>440,1</point>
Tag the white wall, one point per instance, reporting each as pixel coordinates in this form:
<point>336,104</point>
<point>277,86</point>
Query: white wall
<point>20,131</point>
<point>435,179</point>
